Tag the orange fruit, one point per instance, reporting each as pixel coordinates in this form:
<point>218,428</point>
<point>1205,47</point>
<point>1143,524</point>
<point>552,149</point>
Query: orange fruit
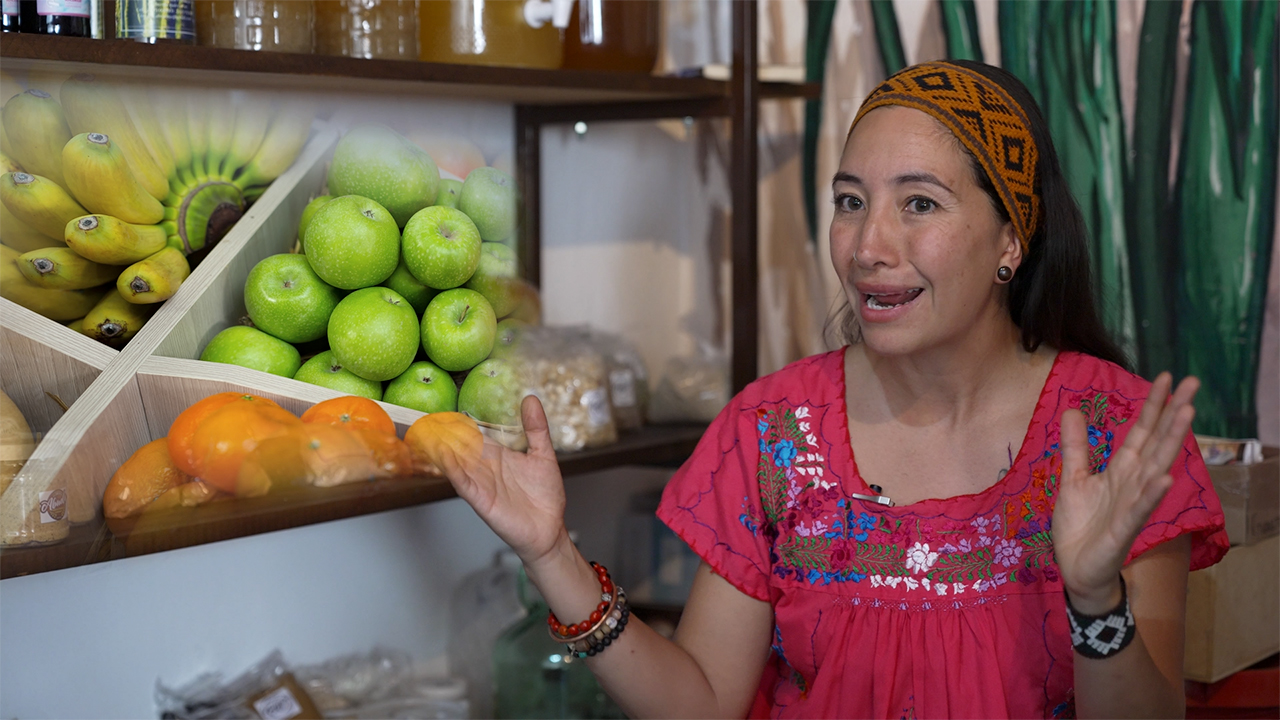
<point>444,438</point>
<point>350,411</point>
<point>145,476</point>
<point>221,442</point>
<point>306,454</point>
<point>391,456</point>
<point>184,427</point>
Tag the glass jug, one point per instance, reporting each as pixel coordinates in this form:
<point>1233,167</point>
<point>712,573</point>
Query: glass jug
<point>614,35</point>
<point>386,29</point>
<point>280,25</point>
<point>485,32</point>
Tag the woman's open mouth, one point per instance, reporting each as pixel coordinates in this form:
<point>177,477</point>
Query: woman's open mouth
<point>888,301</point>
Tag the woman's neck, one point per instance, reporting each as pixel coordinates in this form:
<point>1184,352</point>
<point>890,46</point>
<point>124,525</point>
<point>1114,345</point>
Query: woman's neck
<point>948,384</point>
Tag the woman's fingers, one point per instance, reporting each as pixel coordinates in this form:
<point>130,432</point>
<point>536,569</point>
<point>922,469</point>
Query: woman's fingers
<point>535,427</point>
<point>1181,398</point>
<point>1135,443</point>
<point>1153,491</point>
<point>1075,445</point>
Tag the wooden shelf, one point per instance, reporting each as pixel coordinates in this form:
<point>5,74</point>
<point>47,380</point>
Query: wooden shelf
<point>227,519</point>
<point>325,72</point>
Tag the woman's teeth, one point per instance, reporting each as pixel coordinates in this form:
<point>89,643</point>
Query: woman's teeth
<point>887,301</point>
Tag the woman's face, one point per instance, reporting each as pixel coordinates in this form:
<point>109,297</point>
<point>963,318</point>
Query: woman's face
<point>914,239</point>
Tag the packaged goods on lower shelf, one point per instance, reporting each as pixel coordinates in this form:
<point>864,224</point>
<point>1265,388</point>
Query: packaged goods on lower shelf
<point>571,378</point>
<point>1233,612</point>
<point>1250,496</point>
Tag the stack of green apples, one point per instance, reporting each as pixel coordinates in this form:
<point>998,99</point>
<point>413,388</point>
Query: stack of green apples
<point>408,278</point>
<point>110,191</point>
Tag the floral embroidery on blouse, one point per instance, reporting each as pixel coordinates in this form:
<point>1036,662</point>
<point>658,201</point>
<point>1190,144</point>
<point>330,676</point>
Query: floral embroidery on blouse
<point>819,535</point>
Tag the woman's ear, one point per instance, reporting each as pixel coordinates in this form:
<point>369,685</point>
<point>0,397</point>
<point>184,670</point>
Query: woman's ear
<point>1011,256</point>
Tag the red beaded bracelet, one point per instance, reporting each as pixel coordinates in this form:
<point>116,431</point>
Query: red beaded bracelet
<point>576,631</point>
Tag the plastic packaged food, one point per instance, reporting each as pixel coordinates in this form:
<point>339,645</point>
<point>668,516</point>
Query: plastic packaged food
<point>614,35</point>
<point>486,32</point>
<point>628,379</point>
<point>279,25</point>
<point>386,29</point>
<point>571,378</point>
<point>692,389</point>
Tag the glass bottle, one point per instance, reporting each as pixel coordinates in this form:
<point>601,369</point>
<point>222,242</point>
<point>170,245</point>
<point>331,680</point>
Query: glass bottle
<point>534,677</point>
<point>279,25</point>
<point>385,29</point>
<point>150,21</point>
<point>67,18</point>
<point>614,35</point>
<point>485,32</point>
<point>12,16</point>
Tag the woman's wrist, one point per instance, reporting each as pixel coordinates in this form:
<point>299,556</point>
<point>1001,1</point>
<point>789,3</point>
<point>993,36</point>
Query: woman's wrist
<point>565,578</point>
<point>1095,601</point>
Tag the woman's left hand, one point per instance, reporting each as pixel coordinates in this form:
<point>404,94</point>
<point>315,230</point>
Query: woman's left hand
<point>1097,517</point>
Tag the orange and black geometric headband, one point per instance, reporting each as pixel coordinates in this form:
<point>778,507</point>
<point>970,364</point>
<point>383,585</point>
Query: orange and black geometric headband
<point>985,118</point>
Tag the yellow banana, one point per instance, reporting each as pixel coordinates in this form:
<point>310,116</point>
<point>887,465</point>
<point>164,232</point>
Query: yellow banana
<point>280,147</point>
<point>39,202</point>
<point>77,325</point>
<point>93,106</point>
<point>222,125</point>
<point>253,117</point>
<point>99,176</point>
<point>5,147</point>
<point>37,130</point>
<point>63,269</point>
<point>155,279</point>
<point>7,164</point>
<point>112,241</point>
<point>57,305</point>
<point>21,236</point>
<point>114,320</point>
<point>146,120</point>
<point>171,111</point>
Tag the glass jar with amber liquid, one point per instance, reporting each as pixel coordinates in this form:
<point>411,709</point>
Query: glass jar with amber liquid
<point>485,32</point>
<point>279,25</point>
<point>613,35</point>
<point>386,29</point>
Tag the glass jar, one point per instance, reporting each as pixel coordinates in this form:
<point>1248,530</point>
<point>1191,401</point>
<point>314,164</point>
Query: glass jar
<point>485,32</point>
<point>279,25</point>
<point>614,35</point>
<point>386,29</point>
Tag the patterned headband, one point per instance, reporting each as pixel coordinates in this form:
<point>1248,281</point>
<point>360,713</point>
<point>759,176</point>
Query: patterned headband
<point>985,118</point>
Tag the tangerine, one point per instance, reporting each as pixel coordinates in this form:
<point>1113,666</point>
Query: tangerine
<point>221,442</point>
<point>444,438</point>
<point>306,454</point>
<point>140,480</point>
<point>391,455</point>
<point>184,427</point>
<point>350,411</point>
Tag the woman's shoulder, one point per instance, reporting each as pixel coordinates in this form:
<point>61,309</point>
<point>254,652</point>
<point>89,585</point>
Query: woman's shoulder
<point>1076,369</point>
<point>817,376</point>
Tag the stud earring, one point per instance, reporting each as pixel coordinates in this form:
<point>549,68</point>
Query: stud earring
<point>1005,273</point>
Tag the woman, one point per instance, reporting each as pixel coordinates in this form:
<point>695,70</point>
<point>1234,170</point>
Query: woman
<point>968,511</point>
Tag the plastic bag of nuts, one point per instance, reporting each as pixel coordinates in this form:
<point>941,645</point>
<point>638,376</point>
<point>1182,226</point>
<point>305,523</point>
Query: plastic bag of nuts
<point>628,379</point>
<point>571,378</point>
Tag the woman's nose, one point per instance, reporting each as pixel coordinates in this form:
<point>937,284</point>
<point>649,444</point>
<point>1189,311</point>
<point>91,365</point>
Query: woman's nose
<point>876,242</point>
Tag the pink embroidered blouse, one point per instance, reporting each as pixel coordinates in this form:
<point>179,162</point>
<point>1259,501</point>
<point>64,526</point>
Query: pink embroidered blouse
<point>944,608</point>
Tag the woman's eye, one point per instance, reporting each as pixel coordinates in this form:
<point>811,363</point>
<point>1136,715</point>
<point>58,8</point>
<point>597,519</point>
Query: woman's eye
<point>921,204</point>
<point>848,203</point>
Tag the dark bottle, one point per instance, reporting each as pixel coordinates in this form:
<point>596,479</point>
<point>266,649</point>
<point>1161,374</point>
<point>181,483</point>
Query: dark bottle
<point>11,16</point>
<point>68,18</point>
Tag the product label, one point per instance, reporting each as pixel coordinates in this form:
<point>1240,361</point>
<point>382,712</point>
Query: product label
<point>72,8</point>
<point>597,402</point>
<point>622,384</point>
<point>149,20</point>
<point>279,704</point>
<point>10,7</point>
<point>53,506</point>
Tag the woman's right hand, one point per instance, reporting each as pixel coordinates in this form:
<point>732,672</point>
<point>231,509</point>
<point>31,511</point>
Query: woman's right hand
<point>520,495</point>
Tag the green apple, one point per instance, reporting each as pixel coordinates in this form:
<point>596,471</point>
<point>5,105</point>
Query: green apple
<point>450,189</point>
<point>508,335</point>
<point>458,329</point>
<point>309,212</point>
<point>425,388</point>
<point>286,298</point>
<point>403,282</point>
<point>494,278</point>
<point>490,393</point>
<point>325,370</point>
<point>377,162</point>
<point>488,197</point>
<point>352,242</point>
<point>250,347</point>
<point>374,333</point>
<point>441,247</point>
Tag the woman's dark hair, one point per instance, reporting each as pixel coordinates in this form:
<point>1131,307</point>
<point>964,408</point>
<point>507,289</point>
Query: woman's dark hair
<point>1051,297</point>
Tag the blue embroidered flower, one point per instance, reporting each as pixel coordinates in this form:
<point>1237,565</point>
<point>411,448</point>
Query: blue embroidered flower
<point>865,523</point>
<point>761,426</point>
<point>764,448</point>
<point>783,453</point>
<point>857,577</point>
<point>1095,434</point>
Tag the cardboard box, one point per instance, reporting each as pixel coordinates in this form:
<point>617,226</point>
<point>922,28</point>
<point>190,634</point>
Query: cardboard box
<point>1250,496</point>
<point>1233,612</point>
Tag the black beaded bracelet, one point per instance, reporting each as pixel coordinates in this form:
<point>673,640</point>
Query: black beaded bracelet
<point>1101,636</point>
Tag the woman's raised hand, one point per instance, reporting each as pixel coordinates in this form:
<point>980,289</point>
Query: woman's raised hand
<point>520,495</point>
<point>1097,517</point>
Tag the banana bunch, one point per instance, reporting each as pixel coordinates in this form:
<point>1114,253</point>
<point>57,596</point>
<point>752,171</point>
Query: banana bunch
<point>110,193</point>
